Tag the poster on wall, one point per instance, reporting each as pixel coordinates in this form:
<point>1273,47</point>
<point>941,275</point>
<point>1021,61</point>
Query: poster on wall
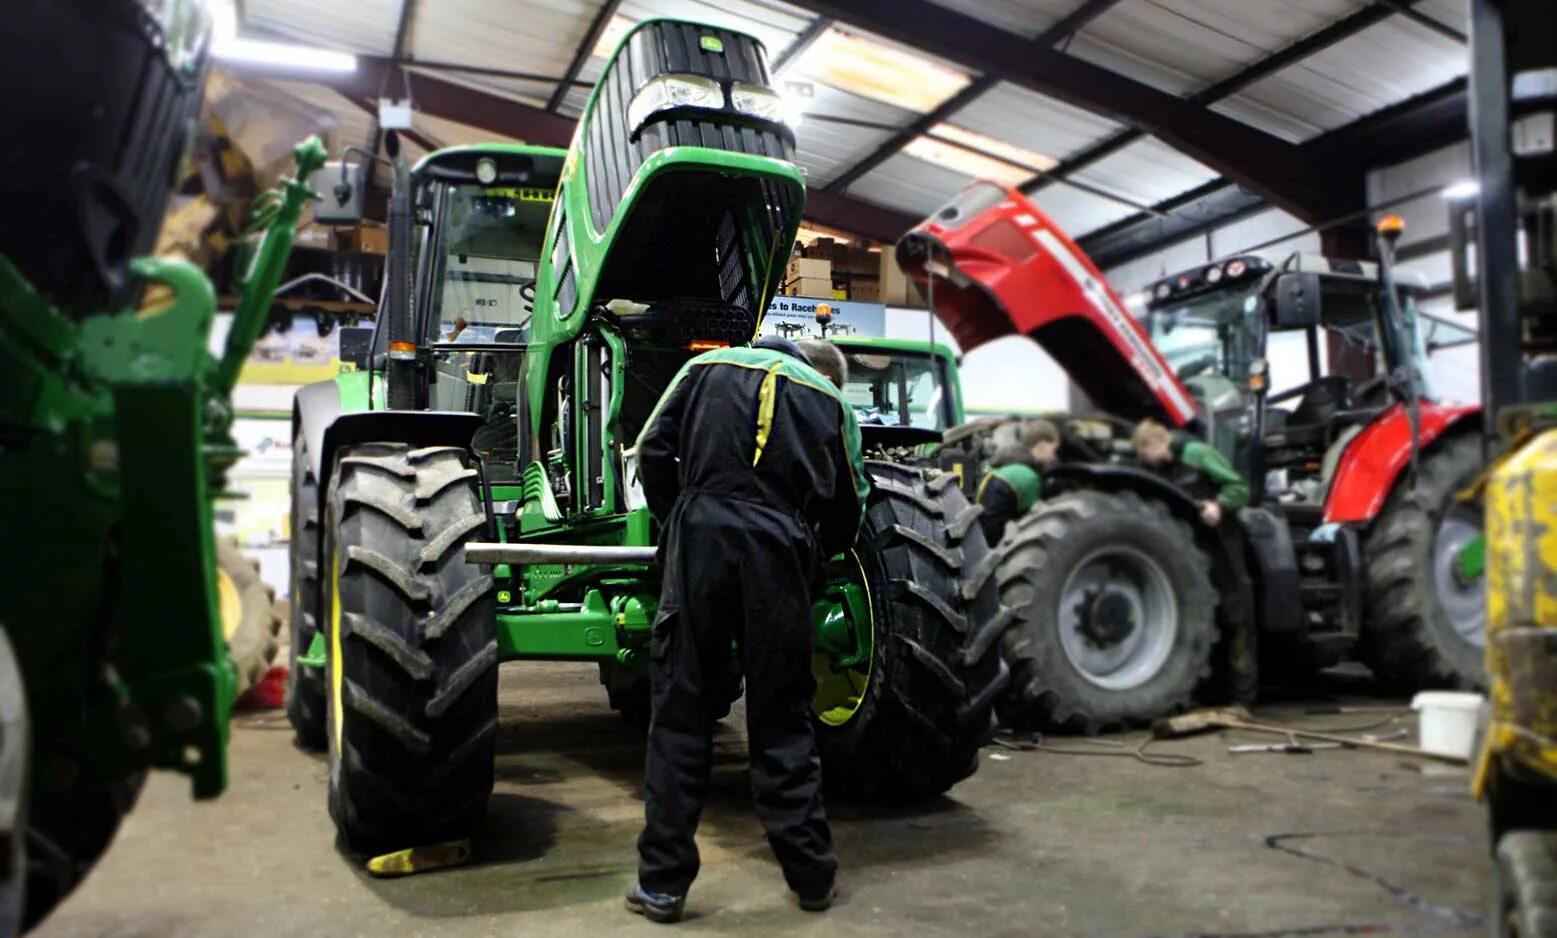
<point>795,316</point>
<point>307,350</point>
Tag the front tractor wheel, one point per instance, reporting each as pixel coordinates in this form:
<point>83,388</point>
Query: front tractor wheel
<point>1115,609</point>
<point>412,649</point>
<point>907,655</point>
<point>1427,612</point>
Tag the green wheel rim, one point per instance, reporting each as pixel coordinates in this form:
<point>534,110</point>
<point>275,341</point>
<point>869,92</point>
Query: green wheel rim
<point>845,645</point>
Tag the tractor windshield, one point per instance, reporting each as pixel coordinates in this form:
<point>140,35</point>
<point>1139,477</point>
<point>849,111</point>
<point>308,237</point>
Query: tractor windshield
<point>898,389</point>
<point>489,243</point>
<point>1213,332</point>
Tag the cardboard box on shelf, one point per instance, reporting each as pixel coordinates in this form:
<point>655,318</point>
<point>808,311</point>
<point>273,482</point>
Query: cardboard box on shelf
<point>858,261</point>
<point>865,290</point>
<point>896,288</point>
<point>809,269</point>
<point>810,286</point>
<point>362,239</point>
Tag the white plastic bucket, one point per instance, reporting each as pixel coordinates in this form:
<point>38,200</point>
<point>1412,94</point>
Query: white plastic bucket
<point>1448,722</point>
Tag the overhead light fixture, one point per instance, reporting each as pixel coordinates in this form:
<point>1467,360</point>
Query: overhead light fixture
<point>1463,189</point>
<point>879,71</point>
<point>953,157</point>
<point>1030,161</point>
<point>611,37</point>
<point>227,47</point>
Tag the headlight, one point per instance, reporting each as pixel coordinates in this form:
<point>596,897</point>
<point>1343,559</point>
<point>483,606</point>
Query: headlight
<point>1236,268</point>
<point>1163,290</point>
<point>1213,274</point>
<point>486,171</point>
<point>673,91</point>
<point>758,102</point>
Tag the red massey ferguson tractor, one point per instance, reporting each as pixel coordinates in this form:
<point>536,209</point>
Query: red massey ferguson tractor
<point>1354,544</point>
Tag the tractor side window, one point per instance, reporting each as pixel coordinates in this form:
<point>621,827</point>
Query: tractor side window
<point>896,391</point>
<point>491,246</point>
<point>487,383</point>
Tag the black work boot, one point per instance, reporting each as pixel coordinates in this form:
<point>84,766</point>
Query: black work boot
<point>655,906</point>
<point>819,901</point>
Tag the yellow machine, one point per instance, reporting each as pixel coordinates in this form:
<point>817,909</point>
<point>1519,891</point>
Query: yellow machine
<point>1513,89</point>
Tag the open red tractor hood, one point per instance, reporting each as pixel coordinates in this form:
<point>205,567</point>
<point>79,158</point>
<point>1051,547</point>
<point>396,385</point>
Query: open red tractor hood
<point>1000,267</point>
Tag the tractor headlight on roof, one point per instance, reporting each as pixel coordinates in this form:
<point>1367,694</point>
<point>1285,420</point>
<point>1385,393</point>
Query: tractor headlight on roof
<point>757,102</point>
<point>673,91</point>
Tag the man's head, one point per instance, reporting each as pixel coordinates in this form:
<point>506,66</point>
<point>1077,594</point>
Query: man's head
<point>1042,439</point>
<point>1153,443</point>
<point>826,358</point>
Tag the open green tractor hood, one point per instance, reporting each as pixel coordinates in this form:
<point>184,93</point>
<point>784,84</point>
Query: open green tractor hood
<point>678,203</point>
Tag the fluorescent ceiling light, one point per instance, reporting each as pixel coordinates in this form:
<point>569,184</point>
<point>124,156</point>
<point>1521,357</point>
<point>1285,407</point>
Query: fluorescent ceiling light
<point>1464,189</point>
<point>878,71</point>
<point>949,146</point>
<point>1032,160</point>
<point>283,54</point>
<point>227,47</point>
<point>611,36</point>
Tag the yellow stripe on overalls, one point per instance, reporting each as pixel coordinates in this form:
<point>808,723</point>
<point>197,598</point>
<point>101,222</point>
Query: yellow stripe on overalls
<point>767,398</point>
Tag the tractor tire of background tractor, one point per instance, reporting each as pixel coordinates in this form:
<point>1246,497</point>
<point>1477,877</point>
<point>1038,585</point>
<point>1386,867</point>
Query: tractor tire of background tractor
<point>67,836</point>
<point>1410,638</point>
<point>305,685</point>
<point>249,620</point>
<point>1081,572</point>
<point>412,662</point>
<point>928,702</point>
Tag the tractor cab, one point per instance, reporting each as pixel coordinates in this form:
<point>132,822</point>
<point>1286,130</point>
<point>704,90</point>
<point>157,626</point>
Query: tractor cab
<point>1271,406</point>
<point>483,213</point>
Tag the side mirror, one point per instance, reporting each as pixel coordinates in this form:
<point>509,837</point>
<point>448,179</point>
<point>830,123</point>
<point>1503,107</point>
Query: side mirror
<point>1297,300</point>
<point>357,345</point>
<point>343,186</point>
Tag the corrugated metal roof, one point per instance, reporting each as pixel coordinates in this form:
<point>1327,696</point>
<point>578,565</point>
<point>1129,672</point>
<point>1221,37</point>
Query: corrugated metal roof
<point>350,124</point>
<point>1184,45</point>
<point>1384,64</point>
<point>909,185</point>
<point>1078,212</point>
<point>825,149</point>
<point>1148,171</point>
<point>1031,120</point>
<point>446,133</point>
<point>488,33</point>
<point>361,26</point>
<point>1024,17</point>
<point>529,92</point>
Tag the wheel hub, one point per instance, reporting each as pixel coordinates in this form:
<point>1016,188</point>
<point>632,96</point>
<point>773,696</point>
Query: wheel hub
<point>1108,616</point>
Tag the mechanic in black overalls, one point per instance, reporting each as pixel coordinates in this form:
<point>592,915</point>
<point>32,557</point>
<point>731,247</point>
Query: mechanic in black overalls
<point>751,463</point>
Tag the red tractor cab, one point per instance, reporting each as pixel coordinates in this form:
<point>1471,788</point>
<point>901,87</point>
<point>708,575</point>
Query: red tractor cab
<point>1354,541</point>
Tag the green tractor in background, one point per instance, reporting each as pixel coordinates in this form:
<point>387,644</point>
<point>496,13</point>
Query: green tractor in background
<point>468,495</point>
<point>126,632</point>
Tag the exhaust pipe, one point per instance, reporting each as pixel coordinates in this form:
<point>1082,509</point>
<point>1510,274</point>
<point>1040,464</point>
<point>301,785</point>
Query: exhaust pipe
<point>478,552</point>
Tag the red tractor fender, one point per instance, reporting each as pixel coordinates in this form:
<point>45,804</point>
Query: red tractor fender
<point>1375,457</point>
<point>1002,267</point>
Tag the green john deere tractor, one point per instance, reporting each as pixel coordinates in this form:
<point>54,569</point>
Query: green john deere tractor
<point>119,611</point>
<point>468,495</point>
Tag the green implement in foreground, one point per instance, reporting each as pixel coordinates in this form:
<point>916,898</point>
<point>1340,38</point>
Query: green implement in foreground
<point>468,494</point>
<point>119,616</point>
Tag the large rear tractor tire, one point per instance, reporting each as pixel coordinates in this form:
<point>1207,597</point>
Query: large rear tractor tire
<point>249,620</point>
<point>67,836</point>
<point>1524,885</point>
<point>1427,619</point>
<point>1115,613</point>
<point>412,660</point>
<point>906,720</point>
<point>305,685</point>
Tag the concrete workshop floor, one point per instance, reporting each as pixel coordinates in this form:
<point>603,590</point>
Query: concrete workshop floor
<point>1333,843</point>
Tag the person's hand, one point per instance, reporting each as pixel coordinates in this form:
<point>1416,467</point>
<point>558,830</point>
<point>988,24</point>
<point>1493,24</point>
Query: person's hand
<point>1211,513</point>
